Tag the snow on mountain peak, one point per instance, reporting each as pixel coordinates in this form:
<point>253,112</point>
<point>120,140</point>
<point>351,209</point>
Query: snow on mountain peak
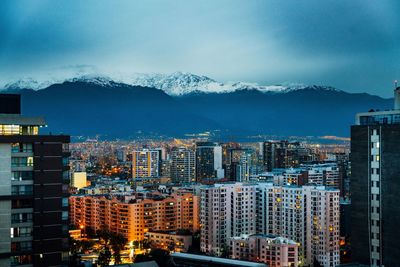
<point>182,83</point>
<point>28,83</point>
<point>175,84</point>
<point>100,80</point>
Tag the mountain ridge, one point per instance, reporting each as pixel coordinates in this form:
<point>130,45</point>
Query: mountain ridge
<point>117,110</point>
<point>175,84</point>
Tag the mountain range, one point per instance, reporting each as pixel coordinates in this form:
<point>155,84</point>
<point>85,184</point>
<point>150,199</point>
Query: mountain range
<point>184,103</point>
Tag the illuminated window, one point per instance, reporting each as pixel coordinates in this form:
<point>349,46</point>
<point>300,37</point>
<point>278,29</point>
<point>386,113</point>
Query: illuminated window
<point>9,129</point>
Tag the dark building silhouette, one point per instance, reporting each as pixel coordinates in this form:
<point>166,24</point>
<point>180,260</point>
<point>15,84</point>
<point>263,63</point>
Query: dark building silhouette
<point>208,161</point>
<point>34,178</point>
<point>375,187</point>
<point>284,154</point>
<point>183,165</point>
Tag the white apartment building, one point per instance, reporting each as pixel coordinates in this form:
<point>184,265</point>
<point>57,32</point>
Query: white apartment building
<point>227,210</point>
<point>309,215</point>
<point>273,250</point>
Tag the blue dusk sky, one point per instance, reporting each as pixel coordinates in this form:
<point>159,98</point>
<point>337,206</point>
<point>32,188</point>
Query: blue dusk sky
<point>352,45</point>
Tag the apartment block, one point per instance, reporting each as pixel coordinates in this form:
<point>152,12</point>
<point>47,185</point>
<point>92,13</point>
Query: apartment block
<point>134,217</point>
<point>273,250</point>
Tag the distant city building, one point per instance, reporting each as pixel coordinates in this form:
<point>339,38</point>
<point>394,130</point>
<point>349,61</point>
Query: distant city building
<point>285,154</point>
<point>79,180</point>
<point>241,164</point>
<point>273,250</point>
<point>34,179</point>
<point>208,161</point>
<point>146,163</point>
<point>294,177</point>
<point>327,174</point>
<point>375,187</point>
<point>183,165</point>
<point>122,154</point>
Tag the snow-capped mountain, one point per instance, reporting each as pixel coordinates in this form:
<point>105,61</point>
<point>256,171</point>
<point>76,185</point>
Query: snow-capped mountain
<point>182,83</point>
<point>175,84</point>
<point>29,83</point>
<point>104,101</point>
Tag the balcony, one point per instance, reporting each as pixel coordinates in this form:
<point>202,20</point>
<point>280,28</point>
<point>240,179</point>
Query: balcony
<point>22,190</point>
<point>21,246</point>
<point>22,162</point>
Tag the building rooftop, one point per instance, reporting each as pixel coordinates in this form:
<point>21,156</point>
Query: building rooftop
<point>17,119</point>
<point>377,117</point>
<point>273,238</point>
<point>215,260</point>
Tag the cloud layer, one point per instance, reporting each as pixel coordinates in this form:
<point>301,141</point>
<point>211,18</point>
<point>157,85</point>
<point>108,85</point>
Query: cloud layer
<point>352,45</point>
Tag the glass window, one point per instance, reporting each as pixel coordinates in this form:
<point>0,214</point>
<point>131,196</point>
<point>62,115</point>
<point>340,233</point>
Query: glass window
<point>21,232</point>
<point>22,203</point>
<point>65,202</point>
<point>21,260</point>
<point>64,215</point>
<point>22,161</point>
<point>22,190</point>
<point>21,147</point>
<point>21,246</point>
<point>65,147</point>
<point>29,130</point>
<point>21,217</point>
<point>22,176</point>
<point>66,161</point>
<point>9,129</point>
<point>66,175</point>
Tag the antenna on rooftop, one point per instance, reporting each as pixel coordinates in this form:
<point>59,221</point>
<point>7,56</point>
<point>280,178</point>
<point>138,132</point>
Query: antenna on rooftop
<point>396,96</point>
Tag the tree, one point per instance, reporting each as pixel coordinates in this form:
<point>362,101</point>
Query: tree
<point>162,257</point>
<point>78,247</point>
<point>147,244</point>
<point>117,242</point>
<point>142,258</point>
<point>171,246</point>
<point>87,245</point>
<point>104,257</point>
<point>114,241</point>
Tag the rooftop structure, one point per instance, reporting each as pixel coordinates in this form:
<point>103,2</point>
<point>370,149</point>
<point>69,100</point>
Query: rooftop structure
<point>381,117</point>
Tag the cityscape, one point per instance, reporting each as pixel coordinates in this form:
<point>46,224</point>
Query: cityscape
<point>167,168</point>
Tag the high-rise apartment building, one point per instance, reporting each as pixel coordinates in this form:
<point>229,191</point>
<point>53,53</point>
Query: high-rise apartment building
<point>33,190</point>
<point>308,215</point>
<point>183,165</point>
<point>226,210</point>
<point>208,161</point>
<point>241,164</point>
<point>133,218</point>
<point>327,174</point>
<point>375,186</point>
<point>146,163</point>
<point>284,154</point>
